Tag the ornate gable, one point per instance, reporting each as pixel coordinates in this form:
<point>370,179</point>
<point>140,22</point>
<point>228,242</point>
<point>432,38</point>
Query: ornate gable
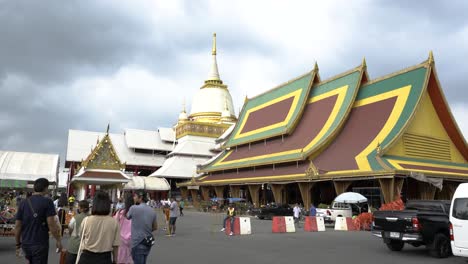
<point>103,157</point>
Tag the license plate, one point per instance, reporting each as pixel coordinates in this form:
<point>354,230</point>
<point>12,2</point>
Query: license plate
<point>394,235</point>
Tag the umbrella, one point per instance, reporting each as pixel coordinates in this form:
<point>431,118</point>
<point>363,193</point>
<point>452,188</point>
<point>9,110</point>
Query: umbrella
<point>350,197</point>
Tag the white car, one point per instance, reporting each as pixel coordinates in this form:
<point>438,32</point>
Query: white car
<point>459,221</point>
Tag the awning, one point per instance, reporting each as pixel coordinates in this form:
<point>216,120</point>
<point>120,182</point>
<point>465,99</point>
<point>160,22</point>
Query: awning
<point>147,183</point>
<point>13,184</point>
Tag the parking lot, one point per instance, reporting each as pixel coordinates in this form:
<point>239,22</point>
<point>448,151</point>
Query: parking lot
<point>198,240</point>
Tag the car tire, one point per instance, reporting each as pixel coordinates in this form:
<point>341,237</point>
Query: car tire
<point>440,247</point>
<point>395,245</point>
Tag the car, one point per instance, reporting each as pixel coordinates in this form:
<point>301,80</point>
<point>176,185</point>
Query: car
<point>459,221</point>
<point>269,211</point>
<point>421,223</point>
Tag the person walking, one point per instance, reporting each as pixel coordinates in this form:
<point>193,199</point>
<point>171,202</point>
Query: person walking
<point>62,212</point>
<point>167,215</point>
<point>231,214</point>
<point>313,210</point>
<point>181,207</point>
<point>36,216</point>
<point>120,205</point>
<point>100,233</point>
<point>125,248</point>
<point>296,213</point>
<point>144,222</point>
<point>174,213</point>
<point>74,229</point>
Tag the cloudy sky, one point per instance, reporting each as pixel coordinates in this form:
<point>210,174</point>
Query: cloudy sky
<point>81,64</point>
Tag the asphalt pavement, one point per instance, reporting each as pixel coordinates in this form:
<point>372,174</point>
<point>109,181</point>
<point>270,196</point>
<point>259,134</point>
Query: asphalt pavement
<point>198,240</point>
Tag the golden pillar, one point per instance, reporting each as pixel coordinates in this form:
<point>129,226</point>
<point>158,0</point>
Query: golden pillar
<point>305,188</point>
<point>195,201</point>
<point>341,186</point>
<point>254,194</point>
<point>219,191</point>
<point>277,190</point>
<point>235,191</point>
<point>205,191</point>
<point>184,193</point>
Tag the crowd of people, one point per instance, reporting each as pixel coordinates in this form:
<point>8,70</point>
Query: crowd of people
<point>101,233</point>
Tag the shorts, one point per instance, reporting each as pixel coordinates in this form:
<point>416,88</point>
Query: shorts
<point>172,220</point>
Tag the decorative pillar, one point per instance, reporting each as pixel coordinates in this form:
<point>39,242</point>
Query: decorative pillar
<point>195,201</point>
<point>448,189</point>
<point>387,186</point>
<point>81,192</point>
<point>305,188</point>
<point>235,191</point>
<point>398,186</point>
<point>219,191</point>
<point>341,186</point>
<point>205,191</point>
<point>184,193</point>
<point>426,191</point>
<point>254,194</point>
<point>277,190</point>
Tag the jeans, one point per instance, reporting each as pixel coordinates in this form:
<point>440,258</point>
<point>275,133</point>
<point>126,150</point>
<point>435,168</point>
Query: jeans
<point>140,253</point>
<point>36,254</point>
<point>232,222</point>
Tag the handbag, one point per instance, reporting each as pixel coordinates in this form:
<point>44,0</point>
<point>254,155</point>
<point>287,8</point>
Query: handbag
<point>148,241</point>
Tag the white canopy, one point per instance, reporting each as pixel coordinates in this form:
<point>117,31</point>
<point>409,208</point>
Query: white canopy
<point>147,183</point>
<point>350,197</point>
<point>26,166</point>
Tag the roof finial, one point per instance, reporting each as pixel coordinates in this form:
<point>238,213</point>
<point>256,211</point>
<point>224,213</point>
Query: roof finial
<point>213,52</point>
<point>107,130</point>
<point>183,105</point>
<point>430,60</point>
<point>316,66</point>
<point>246,99</point>
<point>364,64</point>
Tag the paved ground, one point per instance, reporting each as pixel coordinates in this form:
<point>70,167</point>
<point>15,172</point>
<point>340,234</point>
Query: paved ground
<point>198,240</point>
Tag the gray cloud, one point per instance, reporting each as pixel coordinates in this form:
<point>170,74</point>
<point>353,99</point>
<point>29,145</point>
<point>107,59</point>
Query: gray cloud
<point>47,50</point>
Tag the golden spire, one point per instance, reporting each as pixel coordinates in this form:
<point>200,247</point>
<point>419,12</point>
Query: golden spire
<point>430,60</point>
<point>316,66</point>
<point>183,106</point>
<point>108,126</point>
<point>213,51</point>
<point>364,64</point>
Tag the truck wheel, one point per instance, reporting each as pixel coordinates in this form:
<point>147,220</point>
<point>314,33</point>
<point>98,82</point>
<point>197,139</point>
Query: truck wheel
<point>395,245</point>
<point>440,247</point>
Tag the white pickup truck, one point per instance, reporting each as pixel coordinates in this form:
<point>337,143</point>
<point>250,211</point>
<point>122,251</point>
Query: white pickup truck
<point>335,210</point>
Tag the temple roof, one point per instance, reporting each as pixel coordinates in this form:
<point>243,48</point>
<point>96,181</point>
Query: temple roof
<point>324,109</point>
<point>356,136</point>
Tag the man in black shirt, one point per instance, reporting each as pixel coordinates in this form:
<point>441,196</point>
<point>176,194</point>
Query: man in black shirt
<point>36,216</point>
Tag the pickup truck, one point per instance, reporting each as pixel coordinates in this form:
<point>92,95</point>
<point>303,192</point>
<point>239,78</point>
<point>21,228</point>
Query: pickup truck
<point>339,209</point>
<point>421,223</point>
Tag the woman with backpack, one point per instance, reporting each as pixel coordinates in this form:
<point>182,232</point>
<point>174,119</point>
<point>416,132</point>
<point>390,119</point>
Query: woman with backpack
<point>125,251</point>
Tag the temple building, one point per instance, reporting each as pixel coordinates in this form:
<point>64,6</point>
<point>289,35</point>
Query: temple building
<point>308,140</point>
<point>169,153</point>
<point>211,115</point>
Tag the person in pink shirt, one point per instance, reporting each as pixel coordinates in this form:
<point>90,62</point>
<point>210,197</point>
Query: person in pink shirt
<point>125,249</point>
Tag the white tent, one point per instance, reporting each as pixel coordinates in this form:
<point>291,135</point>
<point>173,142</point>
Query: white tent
<point>350,197</point>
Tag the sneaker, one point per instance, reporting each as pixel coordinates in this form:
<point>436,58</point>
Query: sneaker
<point>222,230</point>
<point>168,235</point>
<point>231,234</point>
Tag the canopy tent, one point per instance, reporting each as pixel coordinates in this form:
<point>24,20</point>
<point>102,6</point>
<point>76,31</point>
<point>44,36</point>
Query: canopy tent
<point>350,197</point>
<point>17,169</point>
<point>147,183</point>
